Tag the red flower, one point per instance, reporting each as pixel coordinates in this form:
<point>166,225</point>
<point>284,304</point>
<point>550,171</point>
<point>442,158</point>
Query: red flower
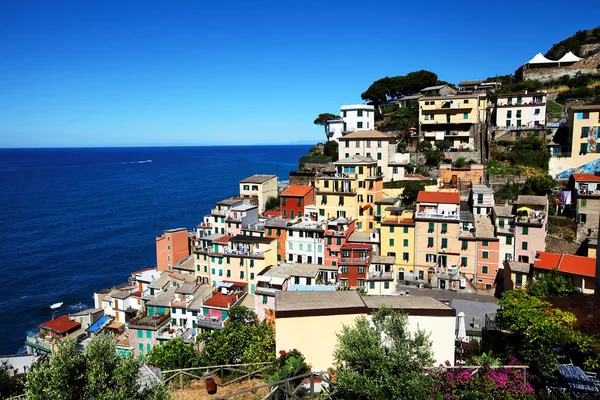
<point>282,352</point>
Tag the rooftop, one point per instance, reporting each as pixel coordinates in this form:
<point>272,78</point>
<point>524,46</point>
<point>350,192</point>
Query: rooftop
<point>518,266</point>
<point>357,106</point>
<point>532,200</point>
<point>187,288</point>
<point>258,178</point>
<point>61,324</point>
<point>438,197</point>
<point>250,239</point>
<point>365,134</point>
<point>566,263</point>
<point>163,299</point>
<point>272,213</point>
<point>410,304</point>
<point>360,237</point>
<point>586,177</point>
<point>483,227</point>
<point>455,96</point>
<point>356,159</point>
<point>504,211</point>
<point>285,270</point>
<point>186,264</point>
<point>436,87</point>
<point>220,300</point>
<point>383,260</point>
<point>304,301</point>
<point>591,107</point>
<point>297,191</point>
<point>482,189</point>
<point>229,202</point>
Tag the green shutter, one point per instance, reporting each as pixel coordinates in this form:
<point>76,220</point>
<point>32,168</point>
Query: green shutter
<point>430,242</point>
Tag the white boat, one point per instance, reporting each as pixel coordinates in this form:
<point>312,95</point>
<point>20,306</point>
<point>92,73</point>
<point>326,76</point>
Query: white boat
<point>144,162</point>
<point>56,305</point>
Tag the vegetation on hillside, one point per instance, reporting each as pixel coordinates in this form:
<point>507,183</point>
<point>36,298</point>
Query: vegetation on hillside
<point>529,151</point>
<point>392,88</point>
<point>573,43</point>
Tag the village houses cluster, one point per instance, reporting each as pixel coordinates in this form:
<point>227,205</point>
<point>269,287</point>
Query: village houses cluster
<point>342,230</point>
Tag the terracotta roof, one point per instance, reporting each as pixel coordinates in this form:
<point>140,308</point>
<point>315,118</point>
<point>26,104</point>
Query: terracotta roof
<point>586,177</point>
<point>224,239</point>
<point>61,324</point>
<point>578,265</point>
<point>438,197</point>
<point>356,246</point>
<point>272,213</point>
<point>546,260</point>
<point>365,134</point>
<point>221,300</point>
<point>297,191</point>
<point>566,263</point>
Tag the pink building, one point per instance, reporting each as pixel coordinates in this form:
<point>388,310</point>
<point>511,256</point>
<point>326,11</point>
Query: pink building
<point>337,233</point>
<point>531,224</point>
<point>215,311</point>
<point>239,216</point>
<point>488,252</point>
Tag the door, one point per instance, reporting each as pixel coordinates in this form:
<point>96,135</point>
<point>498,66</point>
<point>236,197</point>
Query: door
<point>442,284</point>
<point>252,287</point>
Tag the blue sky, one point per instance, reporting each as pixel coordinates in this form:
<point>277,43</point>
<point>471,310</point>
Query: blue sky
<point>130,73</point>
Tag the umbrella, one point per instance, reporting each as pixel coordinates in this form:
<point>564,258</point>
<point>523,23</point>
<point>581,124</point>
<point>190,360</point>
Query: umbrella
<point>462,332</point>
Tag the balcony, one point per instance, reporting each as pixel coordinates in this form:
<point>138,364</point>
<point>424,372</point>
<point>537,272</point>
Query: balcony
<point>246,253</point>
<point>506,229</point>
<point>265,291</point>
<point>383,275</point>
<point>168,334</point>
<point>209,323</point>
<point>146,295</point>
<point>204,225</point>
<point>44,344</point>
<point>532,218</point>
<point>432,215</point>
<point>354,261</point>
<point>216,211</point>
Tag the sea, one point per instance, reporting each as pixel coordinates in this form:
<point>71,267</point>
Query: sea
<point>77,220</point>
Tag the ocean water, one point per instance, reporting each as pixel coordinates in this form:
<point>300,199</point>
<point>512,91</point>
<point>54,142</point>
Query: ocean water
<point>73,221</point>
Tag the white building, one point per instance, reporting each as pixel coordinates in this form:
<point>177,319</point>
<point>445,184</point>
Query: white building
<point>335,128</point>
<point>380,279</point>
<point>482,199</point>
<point>357,116</point>
<point>305,243</point>
<point>521,110</point>
<point>504,225</point>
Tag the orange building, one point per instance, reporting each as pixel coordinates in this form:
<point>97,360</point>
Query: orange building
<point>171,247</point>
<point>277,229</point>
<point>294,199</point>
<point>454,177</point>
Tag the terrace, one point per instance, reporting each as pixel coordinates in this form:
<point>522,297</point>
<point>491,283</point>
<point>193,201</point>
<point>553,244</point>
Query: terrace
<point>150,321</point>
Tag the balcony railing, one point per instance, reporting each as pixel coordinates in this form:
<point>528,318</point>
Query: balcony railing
<point>380,275</point>
<point>237,252</point>
<point>44,344</point>
<point>216,211</point>
<point>354,261</point>
<point>208,323</point>
<point>423,214</point>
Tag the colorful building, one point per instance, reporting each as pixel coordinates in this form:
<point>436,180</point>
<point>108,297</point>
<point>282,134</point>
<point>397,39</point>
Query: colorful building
<point>277,229</point>
<point>518,112</point>
<point>380,277</point>
<point>582,270</point>
<point>584,205</point>
<point>456,119</point>
<point>171,247</point>
<point>305,242</point>
<point>488,252</point>
<point>374,145</point>
<point>354,264</point>
<point>504,222</point>
<point>294,199</point>
<point>531,224</point>
<point>259,187</point>
<point>481,199</point>
<point>397,238</point>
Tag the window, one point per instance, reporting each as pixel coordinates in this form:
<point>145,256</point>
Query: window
<point>583,147</point>
<point>379,143</point>
<point>431,227</point>
<point>508,122</point>
<point>140,334</point>
<point>444,243</point>
<point>361,270</point>
<point>524,246</point>
<point>485,243</point>
<point>582,218</point>
<point>444,228</point>
<point>359,113</point>
<point>405,242</point>
<point>368,155</point>
<point>537,111</point>
<point>359,125</point>
<point>519,280</point>
<point>463,261</point>
<point>525,230</point>
<point>518,113</point>
<point>322,212</point>
<point>466,101</point>
<point>379,156</point>
<point>405,256</point>
<point>430,257</point>
<point>484,269</point>
<point>509,240</point>
<point>391,242</point>
<point>241,274</point>
<point>484,254</point>
<point>479,198</point>
<point>583,202</point>
<point>371,285</point>
<point>246,187</point>
<point>406,229</point>
<point>501,223</point>
<point>141,347</point>
<point>386,285</point>
<point>430,242</point>
<point>361,283</point>
<point>585,131</point>
<point>344,269</point>
<point>518,122</point>
<point>466,116</point>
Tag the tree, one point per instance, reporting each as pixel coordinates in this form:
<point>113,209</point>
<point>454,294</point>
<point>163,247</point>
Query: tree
<point>433,157</point>
<point>174,354</point>
<point>381,359</point>
<point>330,149</point>
<point>553,284</point>
<point>10,385</point>
<point>385,89</point>
<point>411,191</point>
<point>96,373</point>
<point>243,339</point>
<point>322,120</point>
<point>272,203</point>
<point>460,162</point>
<point>539,185</point>
<point>443,145</point>
<point>423,146</point>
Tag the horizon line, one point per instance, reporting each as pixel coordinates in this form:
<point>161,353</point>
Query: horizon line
<point>157,146</point>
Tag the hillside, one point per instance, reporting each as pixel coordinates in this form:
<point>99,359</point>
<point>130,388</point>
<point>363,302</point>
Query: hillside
<point>573,43</point>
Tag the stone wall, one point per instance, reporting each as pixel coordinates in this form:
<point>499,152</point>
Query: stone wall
<point>550,74</point>
<point>302,178</point>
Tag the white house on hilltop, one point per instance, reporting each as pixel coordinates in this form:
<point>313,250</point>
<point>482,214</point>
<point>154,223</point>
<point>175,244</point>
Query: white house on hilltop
<point>353,117</point>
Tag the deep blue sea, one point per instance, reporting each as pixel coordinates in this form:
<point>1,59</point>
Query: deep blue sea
<point>73,221</point>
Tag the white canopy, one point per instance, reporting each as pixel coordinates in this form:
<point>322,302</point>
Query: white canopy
<point>462,331</point>
<point>569,57</point>
<point>540,59</point>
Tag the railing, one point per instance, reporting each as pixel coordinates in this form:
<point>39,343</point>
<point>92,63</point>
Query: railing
<point>437,216</point>
<point>216,211</point>
<point>40,343</point>
<point>380,275</point>
<point>209,323</point>
<point>354,261</point>
<point>236,252</point>
<point>204,225</point>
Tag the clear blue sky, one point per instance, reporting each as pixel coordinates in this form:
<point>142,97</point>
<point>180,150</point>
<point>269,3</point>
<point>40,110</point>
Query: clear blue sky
<point>120,73</point>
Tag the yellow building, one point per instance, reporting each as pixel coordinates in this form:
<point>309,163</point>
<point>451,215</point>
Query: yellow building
<point>397,236</point>
<point>580,146</point>
<point>351,191</point>
<point>456,119</point>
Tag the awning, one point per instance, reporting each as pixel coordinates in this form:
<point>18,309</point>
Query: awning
<point>367,206</point>
<point>277,281</point>
<point>262,278</point>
